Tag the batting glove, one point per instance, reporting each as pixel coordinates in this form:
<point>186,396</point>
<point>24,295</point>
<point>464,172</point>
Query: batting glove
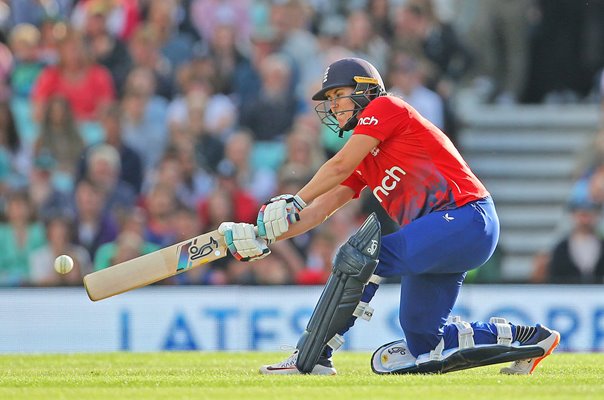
<point>277,214</point>
<point>243,242</point>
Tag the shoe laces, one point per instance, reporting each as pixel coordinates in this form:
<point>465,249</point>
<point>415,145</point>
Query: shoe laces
<point>522,363</point>
<point>289,361</point>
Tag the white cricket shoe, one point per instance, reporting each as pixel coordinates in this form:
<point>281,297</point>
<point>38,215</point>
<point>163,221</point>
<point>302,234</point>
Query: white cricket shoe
<point>288,367</point>
<point>545,338</point>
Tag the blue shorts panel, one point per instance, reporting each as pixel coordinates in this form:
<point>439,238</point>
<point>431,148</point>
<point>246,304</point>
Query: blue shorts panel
<point>450,241</point>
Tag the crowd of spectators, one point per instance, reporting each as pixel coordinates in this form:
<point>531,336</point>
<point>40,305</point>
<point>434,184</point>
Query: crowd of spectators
<point>131,125</point>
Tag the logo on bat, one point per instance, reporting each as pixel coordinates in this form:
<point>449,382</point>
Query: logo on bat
<point>190,251</point>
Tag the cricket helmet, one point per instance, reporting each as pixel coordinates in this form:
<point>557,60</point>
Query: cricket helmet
<point>348,72</point>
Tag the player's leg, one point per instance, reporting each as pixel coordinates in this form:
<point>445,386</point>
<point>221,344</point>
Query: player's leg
<point>451,241</point>
<point>432,345</point>
<point>433,253</point>
<point>470,345</point>
<point>353,267</point>
<point>426,303</point>
<point>444,242</point>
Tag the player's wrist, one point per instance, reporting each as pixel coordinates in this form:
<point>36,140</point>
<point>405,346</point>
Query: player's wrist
<point>299,203</point>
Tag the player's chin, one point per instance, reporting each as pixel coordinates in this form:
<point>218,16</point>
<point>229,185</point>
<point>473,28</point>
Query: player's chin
<point>342,119</point>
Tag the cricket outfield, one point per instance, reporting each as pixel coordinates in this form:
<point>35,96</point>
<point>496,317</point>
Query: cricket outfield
<point>228,375</point>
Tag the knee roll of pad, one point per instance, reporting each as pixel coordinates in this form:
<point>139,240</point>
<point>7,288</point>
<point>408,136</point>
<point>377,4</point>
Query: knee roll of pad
<point>353,268</point>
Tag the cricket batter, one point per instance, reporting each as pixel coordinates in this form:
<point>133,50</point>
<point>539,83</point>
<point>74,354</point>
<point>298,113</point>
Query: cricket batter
<point>448,226</point>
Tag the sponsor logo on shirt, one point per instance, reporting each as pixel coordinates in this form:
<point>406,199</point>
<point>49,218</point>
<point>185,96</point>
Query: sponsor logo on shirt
<point>389,182</point>
<point>375,151</point>
<point>368,121</point>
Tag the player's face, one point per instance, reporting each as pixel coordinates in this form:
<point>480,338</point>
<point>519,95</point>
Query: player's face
<point>341,104</point>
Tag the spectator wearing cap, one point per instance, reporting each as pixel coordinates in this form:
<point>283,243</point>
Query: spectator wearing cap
<point>579,256</point>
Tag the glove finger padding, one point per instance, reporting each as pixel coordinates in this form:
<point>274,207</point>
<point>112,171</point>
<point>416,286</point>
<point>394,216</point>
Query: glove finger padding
<point>242,241</point>
<point>276,215</point>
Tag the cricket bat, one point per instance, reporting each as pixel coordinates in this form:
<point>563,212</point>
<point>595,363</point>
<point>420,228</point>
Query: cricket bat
<point>153,267</point>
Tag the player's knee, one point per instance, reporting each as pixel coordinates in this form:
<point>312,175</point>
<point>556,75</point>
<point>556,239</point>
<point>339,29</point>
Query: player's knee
<point>415,320</point>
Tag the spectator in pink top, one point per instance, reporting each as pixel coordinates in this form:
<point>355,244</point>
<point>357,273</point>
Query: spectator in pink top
<point>86,85</point>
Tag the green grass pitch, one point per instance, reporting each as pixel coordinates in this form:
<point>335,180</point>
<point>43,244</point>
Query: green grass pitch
<point>190,375</point>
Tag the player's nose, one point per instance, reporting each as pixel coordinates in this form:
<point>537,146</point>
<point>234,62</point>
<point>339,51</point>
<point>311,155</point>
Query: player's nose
<point>333,104</point>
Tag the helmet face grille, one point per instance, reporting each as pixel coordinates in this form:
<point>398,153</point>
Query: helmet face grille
<point>361,96</point>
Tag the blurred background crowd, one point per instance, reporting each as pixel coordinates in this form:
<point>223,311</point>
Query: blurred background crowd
<point>130,125</point>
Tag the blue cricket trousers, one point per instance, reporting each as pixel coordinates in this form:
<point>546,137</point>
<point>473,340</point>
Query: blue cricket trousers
<point>432,255</point>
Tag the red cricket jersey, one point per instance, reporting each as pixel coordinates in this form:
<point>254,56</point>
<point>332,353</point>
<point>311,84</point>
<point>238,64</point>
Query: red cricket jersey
<point>84,95</point>
<point>415,169</point>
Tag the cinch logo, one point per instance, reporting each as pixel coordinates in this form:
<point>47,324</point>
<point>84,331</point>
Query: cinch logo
<point>368,121</point>
<point>389,182</point>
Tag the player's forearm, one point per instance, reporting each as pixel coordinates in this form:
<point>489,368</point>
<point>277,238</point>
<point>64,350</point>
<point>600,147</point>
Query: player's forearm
<point>330,175</point>
<point>310,217</point>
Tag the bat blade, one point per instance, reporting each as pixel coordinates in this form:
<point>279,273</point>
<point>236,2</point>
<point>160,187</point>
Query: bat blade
<point>153,267</point>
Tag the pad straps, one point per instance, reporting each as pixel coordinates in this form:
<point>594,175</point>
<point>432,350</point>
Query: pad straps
<point>465,333</point>
<point>504,331</point>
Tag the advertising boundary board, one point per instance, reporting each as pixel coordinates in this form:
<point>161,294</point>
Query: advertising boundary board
<point>249,318</point>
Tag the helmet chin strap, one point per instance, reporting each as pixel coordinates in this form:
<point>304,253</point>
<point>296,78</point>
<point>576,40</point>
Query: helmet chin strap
<point>350,124</point>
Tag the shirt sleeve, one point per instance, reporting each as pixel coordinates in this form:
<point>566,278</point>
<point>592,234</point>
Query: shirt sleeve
<point>381,118</point>
<point>355,183</point>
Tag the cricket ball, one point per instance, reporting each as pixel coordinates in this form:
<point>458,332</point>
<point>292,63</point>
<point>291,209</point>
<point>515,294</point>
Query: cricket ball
<point>63,264</point>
